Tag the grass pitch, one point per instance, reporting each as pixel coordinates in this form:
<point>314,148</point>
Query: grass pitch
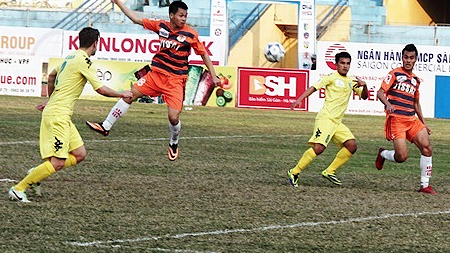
<point>227,192</point>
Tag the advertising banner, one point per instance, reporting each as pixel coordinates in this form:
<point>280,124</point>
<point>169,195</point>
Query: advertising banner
<point>271,88</point>
<point>116,75</point>
<point>199,88</point>
<point>307,33</point>
<point>137,47</point>
<point>372,62</point>
<point>25,41</point>
<point>20,75</point>
<point>219,26</point>
<point>201,91</point>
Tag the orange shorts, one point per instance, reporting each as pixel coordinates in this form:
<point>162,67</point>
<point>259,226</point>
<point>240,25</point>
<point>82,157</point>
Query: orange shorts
<point>402,127</point>
<point>154,84</point>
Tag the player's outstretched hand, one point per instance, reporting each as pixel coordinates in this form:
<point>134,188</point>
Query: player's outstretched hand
<point>359,82</point>
<point>126,94</point>
<point>296,103</point>
<point>428,129</point>
<point>215,80</point>
<point>41,106</point>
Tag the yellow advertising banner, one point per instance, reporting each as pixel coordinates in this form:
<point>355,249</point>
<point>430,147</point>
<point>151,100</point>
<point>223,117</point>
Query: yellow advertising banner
<point>199,90</point>
<point>115,74</point>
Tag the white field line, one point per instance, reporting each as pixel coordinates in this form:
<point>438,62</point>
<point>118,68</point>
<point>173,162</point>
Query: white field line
<point>8,180</point>
<point>258,229</point>
<point>162,139</point>
<point>155,249</point>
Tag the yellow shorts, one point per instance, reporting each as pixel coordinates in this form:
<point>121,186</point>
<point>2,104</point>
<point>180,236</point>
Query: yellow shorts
<point>326,130</point>
<point>58,136</point>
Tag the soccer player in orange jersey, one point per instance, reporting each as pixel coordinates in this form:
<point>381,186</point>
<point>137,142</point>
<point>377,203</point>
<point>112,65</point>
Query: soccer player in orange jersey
<point>399,92</point>
<point>169,69</point>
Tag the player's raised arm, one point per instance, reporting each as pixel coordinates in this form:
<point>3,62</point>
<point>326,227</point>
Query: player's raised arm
<point>133,16</point>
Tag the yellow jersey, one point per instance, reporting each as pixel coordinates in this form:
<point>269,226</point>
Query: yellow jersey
<point>338,90</point>
<point>70,80</point>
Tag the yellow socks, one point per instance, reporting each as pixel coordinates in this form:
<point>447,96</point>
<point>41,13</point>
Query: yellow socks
<point>70,161</point>
<point>341,158</point>
<point>306,159</point>
<point>41,172</point>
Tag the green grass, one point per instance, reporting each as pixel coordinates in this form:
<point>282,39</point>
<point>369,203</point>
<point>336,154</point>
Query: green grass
<point>228,191</point>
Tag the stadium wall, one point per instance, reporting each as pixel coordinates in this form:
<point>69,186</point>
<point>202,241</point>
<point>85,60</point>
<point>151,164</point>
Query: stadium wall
<point>340,29</point>
<point>279,23</point>
<point>410,13</point>
<point>249,49</point>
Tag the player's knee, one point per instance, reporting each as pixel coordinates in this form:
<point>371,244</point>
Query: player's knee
<point>129,100</point>
<point>57,165</point>
<point>81,157</point>
<point>318,149</point>
<point>427,151</point>
<point>400,157</point>
<point>351,146</point>
<point>174,119</point>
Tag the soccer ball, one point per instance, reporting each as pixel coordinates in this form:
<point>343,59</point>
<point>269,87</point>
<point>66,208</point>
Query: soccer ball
<point>274,52</point>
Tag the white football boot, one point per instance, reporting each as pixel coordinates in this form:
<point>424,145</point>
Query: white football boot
<point>17,195</point>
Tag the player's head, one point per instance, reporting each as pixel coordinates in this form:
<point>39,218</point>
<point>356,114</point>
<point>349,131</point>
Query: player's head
<point>409,57</point>
<point>88,37</point>
<point>178,13</point>
<point>343,60</point>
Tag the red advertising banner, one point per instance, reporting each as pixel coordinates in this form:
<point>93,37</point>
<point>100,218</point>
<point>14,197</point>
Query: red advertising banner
<point>271,88</point>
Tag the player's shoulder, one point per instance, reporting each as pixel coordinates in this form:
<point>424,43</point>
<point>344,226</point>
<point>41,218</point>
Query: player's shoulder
<point>331,75</point>
<point>189,30</point>
<point>83,58</point>
<point>154,20</point>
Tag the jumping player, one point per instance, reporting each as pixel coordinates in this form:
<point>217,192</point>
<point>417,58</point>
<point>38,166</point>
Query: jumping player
<point>169,69</point>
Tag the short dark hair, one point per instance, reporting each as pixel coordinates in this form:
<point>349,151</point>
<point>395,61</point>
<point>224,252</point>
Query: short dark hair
<point>410,48</point>
<point>88,36</point>
<point>342,55</point>
<point>175,5</point>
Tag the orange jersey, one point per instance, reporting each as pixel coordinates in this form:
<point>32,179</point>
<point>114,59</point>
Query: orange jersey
<point>175,47</point>
<point>401,91</point>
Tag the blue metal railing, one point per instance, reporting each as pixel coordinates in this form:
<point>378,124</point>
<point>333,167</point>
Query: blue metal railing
<point>81,15</point>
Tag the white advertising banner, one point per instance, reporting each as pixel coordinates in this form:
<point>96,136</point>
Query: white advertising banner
<point>372,62</point>
<point>20,75</point>
<point>307,33</point>
<point>137,47</point>
<point>24,41</point>
<point>219,26</point>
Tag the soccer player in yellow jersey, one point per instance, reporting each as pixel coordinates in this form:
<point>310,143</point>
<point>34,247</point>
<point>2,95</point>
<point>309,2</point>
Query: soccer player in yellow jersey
<point>328,126</point>
<point>60,143</point>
